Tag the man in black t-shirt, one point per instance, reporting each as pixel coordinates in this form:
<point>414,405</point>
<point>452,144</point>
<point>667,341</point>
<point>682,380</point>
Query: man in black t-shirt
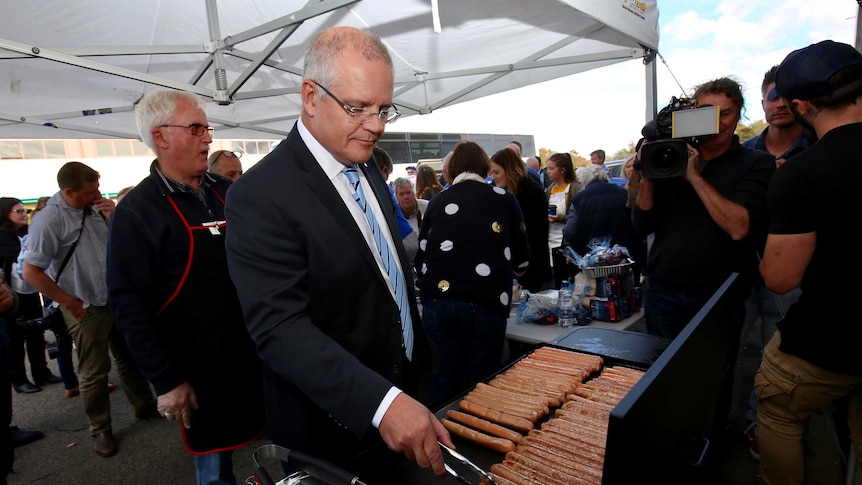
<point>705,225</point>
<point>813,358</point>
<point>704,221</point>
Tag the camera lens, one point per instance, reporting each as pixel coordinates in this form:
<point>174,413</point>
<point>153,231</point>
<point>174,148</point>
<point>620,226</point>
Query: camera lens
<point>664,158</point>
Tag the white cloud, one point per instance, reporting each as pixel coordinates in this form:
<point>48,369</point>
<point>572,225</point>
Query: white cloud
<point>605,108</point>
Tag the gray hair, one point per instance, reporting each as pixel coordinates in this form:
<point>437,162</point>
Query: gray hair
<point>401,182</point>
<point>591,173</point>
<point>157,107</point>
<point>321,57</point>
<point>446,159</point>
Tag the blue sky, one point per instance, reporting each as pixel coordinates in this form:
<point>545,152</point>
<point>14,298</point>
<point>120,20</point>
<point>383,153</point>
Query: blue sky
<point>699,41</point>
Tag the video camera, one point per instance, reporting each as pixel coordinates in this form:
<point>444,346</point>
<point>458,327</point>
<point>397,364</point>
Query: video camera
<point>665,154</point>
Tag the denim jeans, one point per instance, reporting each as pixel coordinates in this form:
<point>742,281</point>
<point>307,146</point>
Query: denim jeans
<point>467,343</point>
<point>65,362</point>
<point>670,308</point>
<point>215,468</point>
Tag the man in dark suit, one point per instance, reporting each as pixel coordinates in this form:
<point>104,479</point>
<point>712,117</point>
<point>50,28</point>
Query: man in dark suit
<point>339,368</point>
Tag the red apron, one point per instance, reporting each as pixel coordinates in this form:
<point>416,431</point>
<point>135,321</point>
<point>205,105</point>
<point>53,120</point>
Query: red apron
<point>203,324</point>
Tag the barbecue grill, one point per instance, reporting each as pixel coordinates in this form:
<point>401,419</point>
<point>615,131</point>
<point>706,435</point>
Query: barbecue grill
<point>660,432</point>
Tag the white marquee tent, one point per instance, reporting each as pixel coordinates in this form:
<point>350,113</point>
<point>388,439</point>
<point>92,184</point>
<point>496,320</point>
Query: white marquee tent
<point>74,68</point>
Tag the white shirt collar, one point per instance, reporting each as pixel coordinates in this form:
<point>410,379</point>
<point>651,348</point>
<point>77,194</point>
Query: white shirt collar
<point>464,176</point>
<point>331,167</point>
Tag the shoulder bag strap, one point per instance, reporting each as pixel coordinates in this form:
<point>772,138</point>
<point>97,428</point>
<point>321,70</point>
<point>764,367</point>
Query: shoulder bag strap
<point>72,249</point>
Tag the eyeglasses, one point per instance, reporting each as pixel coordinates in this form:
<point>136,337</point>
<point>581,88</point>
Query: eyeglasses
<point>20,211</point>
<point>231,154</point>
<point>362,115</point>
<point>226,153</point>
<point>196,129</point>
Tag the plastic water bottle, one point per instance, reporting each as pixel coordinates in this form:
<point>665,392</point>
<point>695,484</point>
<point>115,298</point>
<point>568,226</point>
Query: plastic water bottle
<point>566,313</point>
<point>524,297</point>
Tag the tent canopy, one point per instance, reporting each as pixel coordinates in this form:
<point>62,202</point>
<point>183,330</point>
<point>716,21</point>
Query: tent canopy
<point>74,69</point>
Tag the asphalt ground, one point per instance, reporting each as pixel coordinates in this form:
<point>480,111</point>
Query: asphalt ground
<point>151,451</point>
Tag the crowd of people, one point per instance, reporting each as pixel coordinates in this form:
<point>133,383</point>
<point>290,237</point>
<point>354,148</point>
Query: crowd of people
<point>298,284</point>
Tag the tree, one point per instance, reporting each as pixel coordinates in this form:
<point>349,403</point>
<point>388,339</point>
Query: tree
<point>625,152</point>
<point>742,130</point>
<point>751,130</point>
<point>577,160</point>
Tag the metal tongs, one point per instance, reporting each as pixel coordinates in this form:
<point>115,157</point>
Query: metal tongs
<point>465,461</point>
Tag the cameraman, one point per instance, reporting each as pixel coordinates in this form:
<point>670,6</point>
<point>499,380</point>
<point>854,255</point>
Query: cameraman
<point>705,220</point>
<point>705,225</point>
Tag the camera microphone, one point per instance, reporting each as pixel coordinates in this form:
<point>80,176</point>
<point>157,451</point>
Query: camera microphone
<point>650,130</point>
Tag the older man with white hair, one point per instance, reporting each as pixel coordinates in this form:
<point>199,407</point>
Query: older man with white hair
<point>598,212</point>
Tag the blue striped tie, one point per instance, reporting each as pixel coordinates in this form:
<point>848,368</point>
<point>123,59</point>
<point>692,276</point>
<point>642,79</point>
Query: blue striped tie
<point>388,257</point>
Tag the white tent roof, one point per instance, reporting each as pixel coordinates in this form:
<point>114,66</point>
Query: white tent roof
<point>74,69</point>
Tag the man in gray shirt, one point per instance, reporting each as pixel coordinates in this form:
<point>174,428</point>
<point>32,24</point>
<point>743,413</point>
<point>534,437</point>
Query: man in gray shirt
<point>75,221</point>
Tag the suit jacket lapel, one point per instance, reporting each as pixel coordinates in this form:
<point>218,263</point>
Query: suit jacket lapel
<point>322,187</point>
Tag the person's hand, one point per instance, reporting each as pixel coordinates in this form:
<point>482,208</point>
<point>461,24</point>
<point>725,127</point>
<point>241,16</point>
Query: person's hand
<point>6,298</point>
<point>76,308</point>
<point>644,199</point>
<point>105,205</point>
<point>552,218</point>
<point>177,404</point>
<point>410,428</point>
<point>692,170</point>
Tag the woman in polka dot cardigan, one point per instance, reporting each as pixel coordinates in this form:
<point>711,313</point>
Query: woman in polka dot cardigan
<point>472,243</point>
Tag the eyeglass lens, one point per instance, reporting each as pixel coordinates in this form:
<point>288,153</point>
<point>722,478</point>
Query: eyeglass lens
<point>385,116</point>
<point>362,115</point>
<point>198,129</point>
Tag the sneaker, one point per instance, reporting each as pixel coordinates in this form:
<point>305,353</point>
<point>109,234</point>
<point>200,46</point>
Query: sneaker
<point>753,445</point>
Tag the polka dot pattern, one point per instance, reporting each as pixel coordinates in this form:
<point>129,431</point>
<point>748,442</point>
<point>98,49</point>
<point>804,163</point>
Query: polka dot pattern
<point>471,238</point>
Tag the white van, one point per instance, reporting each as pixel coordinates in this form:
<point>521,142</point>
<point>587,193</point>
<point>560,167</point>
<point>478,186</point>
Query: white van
<point>616,167</point>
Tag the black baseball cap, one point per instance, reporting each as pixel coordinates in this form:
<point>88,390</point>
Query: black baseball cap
<point>805,73</point>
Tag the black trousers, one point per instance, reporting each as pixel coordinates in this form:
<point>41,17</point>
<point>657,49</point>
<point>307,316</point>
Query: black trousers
<point>29,307</point>
<point>7,454</point>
